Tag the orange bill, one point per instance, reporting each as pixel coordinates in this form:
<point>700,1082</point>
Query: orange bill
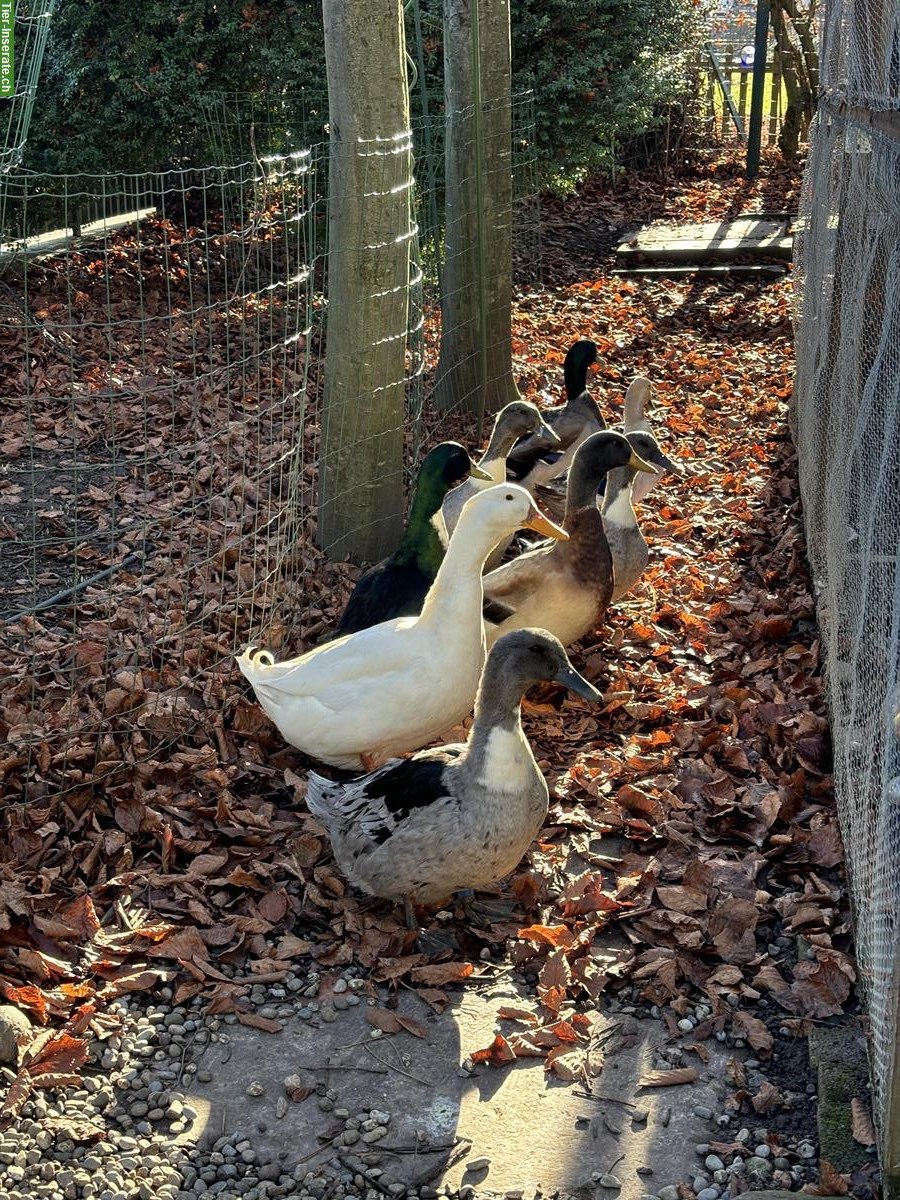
<point>541,524</point>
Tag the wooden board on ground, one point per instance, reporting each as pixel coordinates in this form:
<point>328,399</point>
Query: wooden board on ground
<point>714,241</point>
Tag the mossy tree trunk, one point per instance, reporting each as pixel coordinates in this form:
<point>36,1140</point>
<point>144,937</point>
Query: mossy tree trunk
<point>370,168</point>
<point>475,366</point>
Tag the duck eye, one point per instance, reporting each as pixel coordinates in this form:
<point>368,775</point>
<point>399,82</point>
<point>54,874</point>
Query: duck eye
<point>509,496</point>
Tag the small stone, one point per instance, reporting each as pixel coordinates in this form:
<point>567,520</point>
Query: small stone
<point>713,1162</point>
<point>781,1164</point>
<point>329,1014</point>
<point>644,1170</point>
<point>14,1027</point>
<point>759,1166</point>
<point>374,1135</point>
<point>340,985</point>
<point>640,1115</point>
<point>686,1025</point>
<point>805,1150</point>
<point>350,1137</point>
<point>607,1181</point>
<point>710,1193</point>
<point>742,1135</point>
<point>668,1193</point>
<point>204,1076</point>
<point>700,1110</point>
<point>256,1089</point>
<point>762,1151</point>
<point>482,1163</point>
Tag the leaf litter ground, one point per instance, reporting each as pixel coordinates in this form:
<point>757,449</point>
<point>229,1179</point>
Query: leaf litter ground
<point>691,856</point>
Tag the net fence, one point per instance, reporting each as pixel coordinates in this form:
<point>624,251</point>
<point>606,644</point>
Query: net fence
<point>30,26</point>
<point>162,383</point>
<point>846,418</point>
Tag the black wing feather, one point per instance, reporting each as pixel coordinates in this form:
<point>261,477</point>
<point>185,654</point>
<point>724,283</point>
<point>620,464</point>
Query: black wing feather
<point>384,592</point>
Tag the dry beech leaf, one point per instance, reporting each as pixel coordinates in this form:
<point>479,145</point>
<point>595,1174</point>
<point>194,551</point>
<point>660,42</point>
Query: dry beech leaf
<point>411,1025</point>
<point>669,1078</point>
<point>255,1021</point>
<point>384,1019</point>
<point>440,974</point>
<point>497,1054</point>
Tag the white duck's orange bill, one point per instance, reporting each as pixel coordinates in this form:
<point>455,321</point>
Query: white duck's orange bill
<point>541,524</point>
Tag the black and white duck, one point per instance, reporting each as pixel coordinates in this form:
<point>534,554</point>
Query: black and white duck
<point>455,817</point>
<point>534,460</point>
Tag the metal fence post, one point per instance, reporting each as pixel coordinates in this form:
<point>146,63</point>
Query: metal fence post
<point>760,52</point>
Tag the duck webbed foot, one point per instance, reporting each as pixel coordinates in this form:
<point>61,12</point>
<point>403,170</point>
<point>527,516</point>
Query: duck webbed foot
<point>409,912</point>
<point>484,911</point>
<point>370,762</point>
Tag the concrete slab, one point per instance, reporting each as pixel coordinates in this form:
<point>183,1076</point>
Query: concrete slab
<point>537,1133</point>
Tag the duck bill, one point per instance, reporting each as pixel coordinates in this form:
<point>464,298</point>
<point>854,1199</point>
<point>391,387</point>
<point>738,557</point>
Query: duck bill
<point>663,463</point>
<point>638,464</point>
<point>541,524</point>
<point>570,679</point>
<point>478,473</point>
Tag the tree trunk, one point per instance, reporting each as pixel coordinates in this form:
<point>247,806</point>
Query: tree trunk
<point>800,70</point>
<point>475,366</point>
<point>369,230</point>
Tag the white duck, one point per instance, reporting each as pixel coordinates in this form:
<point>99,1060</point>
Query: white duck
<point>395,686</point>
<point>634,420</point>
<point>454,817</point>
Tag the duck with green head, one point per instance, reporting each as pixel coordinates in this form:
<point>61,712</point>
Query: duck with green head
<point>398,586</point>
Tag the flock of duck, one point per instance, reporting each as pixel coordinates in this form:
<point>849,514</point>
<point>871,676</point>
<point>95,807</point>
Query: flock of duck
<point>444,623</point>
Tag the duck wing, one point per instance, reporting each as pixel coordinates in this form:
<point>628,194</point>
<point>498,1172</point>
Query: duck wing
<point>370,809</point>
<point>510,583</point>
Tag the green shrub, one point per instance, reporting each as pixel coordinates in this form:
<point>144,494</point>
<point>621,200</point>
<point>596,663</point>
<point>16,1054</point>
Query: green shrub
<point>123,83</point>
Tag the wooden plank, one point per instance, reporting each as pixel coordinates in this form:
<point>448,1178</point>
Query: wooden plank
<point>775,102</point>
<point>711,241</point>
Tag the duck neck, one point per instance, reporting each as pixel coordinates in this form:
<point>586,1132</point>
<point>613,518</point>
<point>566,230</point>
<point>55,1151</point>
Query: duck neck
<point>581,491</point>
<point>457,593</point>
<point>617,506</point>
<point>633,410</point>
<point>496,739</point>
<point>421,544</point>
<point>494,458</point>
<point>575,375</point>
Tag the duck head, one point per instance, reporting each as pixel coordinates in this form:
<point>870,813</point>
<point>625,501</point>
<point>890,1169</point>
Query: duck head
<point>529,656</point>
<point>502,509</point>
<point>594,458</point>
<point>517,420</point>
<point>646,448</point>
<point>447,465</point>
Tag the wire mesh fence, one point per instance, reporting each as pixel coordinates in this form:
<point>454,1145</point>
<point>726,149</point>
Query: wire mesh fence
<point>30,26</point>
<point>162,346</point>
<point>846,417</point>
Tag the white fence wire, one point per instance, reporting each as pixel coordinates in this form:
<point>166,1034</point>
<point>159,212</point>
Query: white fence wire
<point>846,417</point>
<point>162,349</point>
